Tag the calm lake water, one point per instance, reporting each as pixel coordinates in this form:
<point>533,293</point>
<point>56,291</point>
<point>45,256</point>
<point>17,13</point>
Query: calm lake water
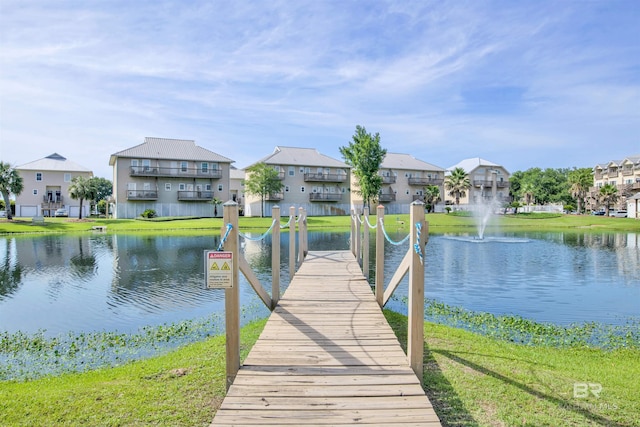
<point>109,282</point>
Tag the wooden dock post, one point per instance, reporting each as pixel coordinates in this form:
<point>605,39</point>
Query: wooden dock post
<point>415,338</point>
<point>232,294</point>
<point>358,240</point>
<point>275,257</point>
<point>353,232</point>
<point>292,242</point>
<point>379,256</point>
<point>365,245</point>
<point>300,238</point>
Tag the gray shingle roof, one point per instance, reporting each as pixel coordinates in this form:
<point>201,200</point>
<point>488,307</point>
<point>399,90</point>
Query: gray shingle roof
<point>54,162</point>
<point>470,164</point>
<point>407,162</point>
<point>174,149</point>
<point>300,157</point>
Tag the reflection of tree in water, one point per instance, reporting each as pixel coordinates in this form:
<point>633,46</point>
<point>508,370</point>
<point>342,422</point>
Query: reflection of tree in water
<point>83,264</point>
<point>11,274</point>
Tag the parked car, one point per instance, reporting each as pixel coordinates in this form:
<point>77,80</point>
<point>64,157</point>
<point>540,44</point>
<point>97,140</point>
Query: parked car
<point>618,214</point>
<point>61,212</point>
<point>3,214</point>
<point>601,213</point>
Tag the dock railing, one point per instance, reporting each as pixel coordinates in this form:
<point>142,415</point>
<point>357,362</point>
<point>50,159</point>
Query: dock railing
<point>412,263</point>
<point>230,242</point>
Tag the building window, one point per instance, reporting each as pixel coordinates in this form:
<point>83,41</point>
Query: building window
<point>292,170</point>
<point>35,192</point>
<point>242,183</point>
<point>182,187</point>
<point>183,166</point>
<point>146,165</point>
<point>207,187</point>
<point>407,191</point>
<point>301,170</point>
<point>219,187</point>
<point>302,189</point>
<point>167,186</point>
<point>67,177</point>
<point>286,188</point>
<point>204,167</point>
<point>38,176</point>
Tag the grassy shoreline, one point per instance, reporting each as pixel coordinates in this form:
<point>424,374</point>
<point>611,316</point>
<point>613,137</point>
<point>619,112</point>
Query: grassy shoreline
<point>471,379</point>
<point>440,223</point>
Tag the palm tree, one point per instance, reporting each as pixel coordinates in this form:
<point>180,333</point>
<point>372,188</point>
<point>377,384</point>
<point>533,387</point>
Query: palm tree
<point>457,183</point>
<point>608,196</point>
<point>527,191</point>
<point>431,197</point>
<point>10,183</point>
<point>580,180</point>
<point>81,189</point>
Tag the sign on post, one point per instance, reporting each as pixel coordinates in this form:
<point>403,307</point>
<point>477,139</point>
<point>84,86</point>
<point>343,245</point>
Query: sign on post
<point>218,269</point>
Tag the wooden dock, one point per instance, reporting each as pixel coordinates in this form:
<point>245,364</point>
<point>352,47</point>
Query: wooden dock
<point>327,356</point>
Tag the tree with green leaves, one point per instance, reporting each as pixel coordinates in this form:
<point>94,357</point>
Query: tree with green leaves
<point>457,183</point>
<point>431,197</point>
<point>365,155</point>
<point>608,196</point>
<point>82,188</point>
<point>580,181</point>
<point>262,180</point>
<point>10,183</point>
<point>216,202</point>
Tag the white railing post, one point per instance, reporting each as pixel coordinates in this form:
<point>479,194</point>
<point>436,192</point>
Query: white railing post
<point>292,242</point>
<point>300,236</point>
<point>232,294</point>
<point>379,256</point>
<point>275,257</point>
<point>417,239</point>
<point>305,235</point>
<point>365,249</point>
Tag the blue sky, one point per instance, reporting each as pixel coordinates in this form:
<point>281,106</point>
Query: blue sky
<point>520,83</point>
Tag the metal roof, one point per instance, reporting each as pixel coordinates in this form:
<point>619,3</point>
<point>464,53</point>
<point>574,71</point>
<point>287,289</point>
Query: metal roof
<point>407,162</point>
<point>473,163</point>
<point>54,162</point>
<point>300,157</point>
<point>173,149</point>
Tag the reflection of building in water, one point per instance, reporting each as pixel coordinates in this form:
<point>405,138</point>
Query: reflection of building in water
<point>54,253</point>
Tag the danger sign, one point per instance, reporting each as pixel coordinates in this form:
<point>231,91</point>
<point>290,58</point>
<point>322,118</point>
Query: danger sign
<point>218,268</point>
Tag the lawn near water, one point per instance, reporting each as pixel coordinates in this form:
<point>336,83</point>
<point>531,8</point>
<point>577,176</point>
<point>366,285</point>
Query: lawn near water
<point>471,379</point>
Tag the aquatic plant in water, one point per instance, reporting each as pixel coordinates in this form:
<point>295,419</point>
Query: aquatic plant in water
<point>525,331</point>
<point>30,356</point>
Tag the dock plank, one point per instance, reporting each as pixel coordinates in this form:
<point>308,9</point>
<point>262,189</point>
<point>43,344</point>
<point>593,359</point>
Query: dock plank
<point>327,356</point>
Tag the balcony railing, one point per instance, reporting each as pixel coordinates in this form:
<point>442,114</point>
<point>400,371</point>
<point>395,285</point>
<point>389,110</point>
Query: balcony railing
<point>274,197</point>
<point>186,196</point>
<point>612,174</point>
<point>489,183</point>
<point>386,197</point>
<point>425,181</point>
<point>389,179</point>
<point>161,171</point>
<point>325,197</point>
<point>280,175</point>
<point>324,177</point>
<point>142,195</point>
<point>627,172</point>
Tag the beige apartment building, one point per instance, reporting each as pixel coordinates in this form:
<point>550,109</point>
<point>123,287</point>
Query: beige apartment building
<point>313,181</point>
<point>403,181</point>
<point>46,187</point>
<point>489,181</point>
<point>174,177</point>
<point>236,188</point>
<point>623,174</point>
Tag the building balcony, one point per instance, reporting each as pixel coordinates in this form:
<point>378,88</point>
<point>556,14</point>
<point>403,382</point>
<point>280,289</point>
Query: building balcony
<point>195,196</point>
<point>324,177</point>
<point>142,195</point>
<point>386,197</point>
<point>627,172</point>
<point>325,197</point>
<point>280,175</point>
<point>389,179</point>
<point>489,183</point>
<point>612,174</point>
<point>167,172</point>
<point>274,197</point>
<point>425,181</point>
<point>54,202</point>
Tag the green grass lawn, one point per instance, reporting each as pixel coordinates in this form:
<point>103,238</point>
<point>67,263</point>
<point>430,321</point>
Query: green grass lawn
<point>472,380</point>
<point>439,223</point>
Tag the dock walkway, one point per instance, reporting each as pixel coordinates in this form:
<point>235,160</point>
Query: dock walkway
<point>327,356</point>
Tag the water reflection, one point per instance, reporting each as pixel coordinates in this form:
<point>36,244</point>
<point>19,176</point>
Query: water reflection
<point>123,282</point>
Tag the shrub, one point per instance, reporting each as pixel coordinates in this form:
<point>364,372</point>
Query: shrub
<point>149,213</point>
